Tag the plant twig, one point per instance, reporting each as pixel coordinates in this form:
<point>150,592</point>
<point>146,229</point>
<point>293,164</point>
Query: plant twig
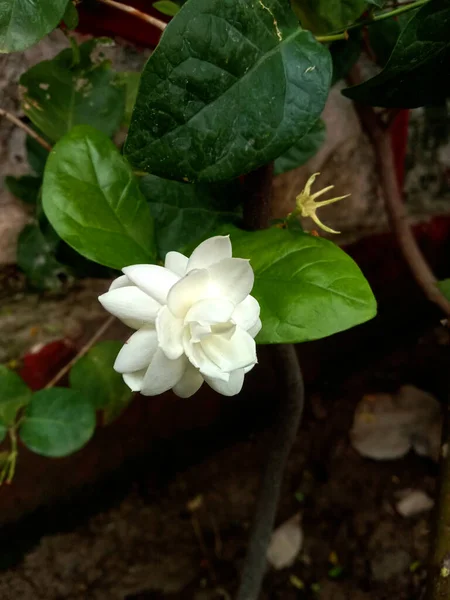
<point>97,335</point>
<point>136,13</point>
<point>13,119</point>
<point>395,206</point>
<point>256,216</point>
<point>285,430</point>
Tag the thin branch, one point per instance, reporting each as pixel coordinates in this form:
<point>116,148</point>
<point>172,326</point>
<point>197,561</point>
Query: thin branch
<point>136,13</point>
<point>97,335</point>
<point>285,429</point>
<point>28,130</point>
<point>395,206</point>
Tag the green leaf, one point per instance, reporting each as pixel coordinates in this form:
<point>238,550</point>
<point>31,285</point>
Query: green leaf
<point>417,71</point>
<point>64,92</point>
<point>213,106</point>
<point>323,16</point>
<point>26,188</point>
<point>92,199</point>
<point>383,36</point>
<point>3,432</point>
<point>444,286</point>
<point>70,17</point>
<point>93,375</point>
<point>130,81</point>
<point>23,23</point>
<point>185,213</point>
<point>379,3</point>
<point>37,155</point>
<point>14,394</point>
<point>36,258</point>
<point>308,288</point>
<point>57,422</point>
<point>303,150</point>
<point>344,54</point>
<point>166,7</point>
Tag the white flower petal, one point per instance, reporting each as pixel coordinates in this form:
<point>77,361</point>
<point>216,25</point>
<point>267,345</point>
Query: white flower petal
<point>153,280</point>
<point>119,282</point>
<point>198,332</point>
<point>189,290</point>
<point>253,331</point>
<point>162,374</point>
<point>233,277</point>
<point>130,305</point>
<point>249,368</point>
<point>176,262</point>
<point>224,329</point>
<point>210,310</point>
<point>190,383</point>
<point>229,354</point>
<point>246,313</point>
<point>170,333</point>
<point>228,388</point>
<point>198,358</point>
<point>138,351</point>
<point>134,380</point>
<point>209,252</point>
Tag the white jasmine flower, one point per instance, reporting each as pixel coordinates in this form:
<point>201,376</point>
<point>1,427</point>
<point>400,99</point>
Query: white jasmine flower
<point>195,321</point>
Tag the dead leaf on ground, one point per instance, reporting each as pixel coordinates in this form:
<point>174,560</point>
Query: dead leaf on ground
<point>286,543</point>
<point>413,502</point>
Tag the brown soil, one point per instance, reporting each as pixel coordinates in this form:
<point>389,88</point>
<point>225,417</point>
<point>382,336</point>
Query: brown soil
<point>132,537</point>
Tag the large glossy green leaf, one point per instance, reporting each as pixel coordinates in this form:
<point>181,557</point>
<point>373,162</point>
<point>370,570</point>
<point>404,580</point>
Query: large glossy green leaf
<point>36,258</point>
<point>303,150</point>
<point>231,86</point>
<point>417,73</point>
<point>23,23</point>
<point>93,375</point>
<point>14,394</point>
<point>344,54</point>
<point>93,201</point>
<point>71,89</point>
<point>57,422</point>
<point>185,213</point>
<point>308,288</point>
<point>323,16</point>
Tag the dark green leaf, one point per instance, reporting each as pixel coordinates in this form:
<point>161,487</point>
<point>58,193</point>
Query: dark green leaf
<point>379,3</point>
<point>71,16</point>
<point>23,23</point>
<point>323,16</point>
<point>130,81</point>
<point>26,188</point>
<point>383,36</point>
<point>417,71</point>
<point>444,286</point>
<point>92,199</point>
<point>62,92</point>
<point>166,7</point>
<point>14,394</point>
<point>213,106</point>
<point>57,422</point>
<point>93,375</point>
<point>344,54</point>
<point>36,258</point>
<point>37,155</point>
<point>308,288</point>
<point>3,432</point>
<point>303,150</point>
<point>185,213</point>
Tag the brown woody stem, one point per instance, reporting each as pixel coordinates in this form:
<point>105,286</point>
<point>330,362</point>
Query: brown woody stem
<point>136,13</point>
<point>13,119</point>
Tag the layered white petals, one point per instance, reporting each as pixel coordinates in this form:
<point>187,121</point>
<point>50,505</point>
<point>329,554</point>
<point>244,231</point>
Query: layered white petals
<point>233,353</point>
<point>154,280</point>
<point>195,321</point>
<point>233,278</point>
<point>246,313</point>
<point>138,351</point>
<point>228,388</point>
<point>177,263</point>
<point>190,383</point>
<point>210,252</point>
<point>162,374</point>
<point>119,282</point>
<point>189,290</point>
<point>170,333</point>
<point>131,305</point>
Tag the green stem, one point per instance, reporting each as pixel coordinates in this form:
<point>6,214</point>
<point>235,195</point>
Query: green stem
<point>343,35</point>
<point>12,459</point>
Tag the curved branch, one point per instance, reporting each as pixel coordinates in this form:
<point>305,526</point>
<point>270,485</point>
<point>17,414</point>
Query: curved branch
<point>136,13</point>
<point>16,121</point>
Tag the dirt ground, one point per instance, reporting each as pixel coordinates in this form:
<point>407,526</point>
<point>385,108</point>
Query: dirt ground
<point>134,536</point>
